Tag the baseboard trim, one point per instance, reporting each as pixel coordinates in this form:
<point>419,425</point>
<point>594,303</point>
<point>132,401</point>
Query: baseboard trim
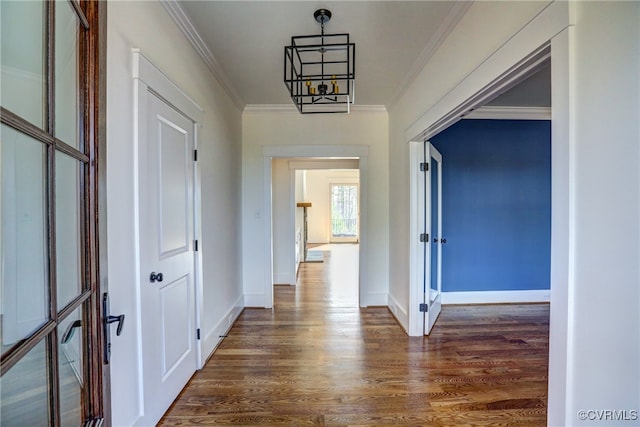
<point>496,297</point>
<point>254,300</point>
<point>214,337</point>
<point>283,279</point>
<point>376,299</point>
<point>398,312</point>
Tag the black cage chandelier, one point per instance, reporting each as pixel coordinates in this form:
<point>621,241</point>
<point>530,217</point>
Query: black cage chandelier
<point>319,70</point>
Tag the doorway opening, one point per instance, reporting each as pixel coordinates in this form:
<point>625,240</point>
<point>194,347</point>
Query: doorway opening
<point>537,64</point>
<point>313,200</point>
<point>285,173</point>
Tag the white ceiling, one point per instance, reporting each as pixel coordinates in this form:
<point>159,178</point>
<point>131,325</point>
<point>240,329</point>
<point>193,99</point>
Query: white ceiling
<point>393,40</point>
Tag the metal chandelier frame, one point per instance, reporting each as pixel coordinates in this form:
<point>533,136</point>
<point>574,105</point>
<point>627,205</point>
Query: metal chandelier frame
<point>319,70</point>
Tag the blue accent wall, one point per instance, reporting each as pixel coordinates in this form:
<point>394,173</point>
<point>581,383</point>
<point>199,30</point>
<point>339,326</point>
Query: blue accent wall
<point>496,207</point>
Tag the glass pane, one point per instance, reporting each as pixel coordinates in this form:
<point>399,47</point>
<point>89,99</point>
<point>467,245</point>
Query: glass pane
<point>68,243</point>
<point>435,247</point>
<point>23,391</point>
<point>66,83</point>
<point>344,210</point>
<point>71,368</point>
<point>22,82</point>
<point>23,246</point>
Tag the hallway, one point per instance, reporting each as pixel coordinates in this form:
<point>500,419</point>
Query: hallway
<point>317,359</point>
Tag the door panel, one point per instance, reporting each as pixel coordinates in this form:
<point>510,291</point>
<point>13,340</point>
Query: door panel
<point>166,248</point>
<point>173,177</point>
<point>176,324</point>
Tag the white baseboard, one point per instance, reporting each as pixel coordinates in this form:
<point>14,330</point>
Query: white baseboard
<point>376,299</point>
<point>213,338</point>
<point>496,297</point>
<point>283,279</point>
<point>254,300</point>
<point>398,312</point>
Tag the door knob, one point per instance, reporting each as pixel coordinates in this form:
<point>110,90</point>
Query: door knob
<point>155,277</point>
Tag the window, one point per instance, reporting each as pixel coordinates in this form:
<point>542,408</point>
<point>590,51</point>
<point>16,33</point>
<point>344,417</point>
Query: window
<point>344,212</point>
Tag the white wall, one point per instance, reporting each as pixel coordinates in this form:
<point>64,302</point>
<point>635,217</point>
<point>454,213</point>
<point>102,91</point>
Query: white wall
<point>264,128</point>
<point>283,237</point>
<point>318,192</point>
<point>604,324</point>
<point>146,25</point>
<point>300,177</point>
<point>595,306</point>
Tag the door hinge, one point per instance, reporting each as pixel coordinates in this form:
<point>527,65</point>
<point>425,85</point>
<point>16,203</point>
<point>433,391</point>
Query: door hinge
<point>195,245</point>
<point>424,167</point>
<point>198,333</point>
<point>424,237</point>
<point>195,155</point>
<point>424,308</point>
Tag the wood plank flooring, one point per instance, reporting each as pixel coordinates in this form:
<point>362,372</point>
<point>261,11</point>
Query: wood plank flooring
<point>316,359</point>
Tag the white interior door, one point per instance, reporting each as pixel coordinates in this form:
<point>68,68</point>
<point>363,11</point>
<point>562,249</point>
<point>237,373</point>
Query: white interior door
<point>166,256</point>
<point>429,226</point>
<point>433,248</point>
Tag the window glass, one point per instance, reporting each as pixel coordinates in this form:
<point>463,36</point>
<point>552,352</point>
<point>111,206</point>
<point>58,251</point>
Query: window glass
<point>23,391</point>
<point>66,77</point>
<point>70,368</point>
<point>24,242</point>
<point>68,243</point>
<point>22,82</point>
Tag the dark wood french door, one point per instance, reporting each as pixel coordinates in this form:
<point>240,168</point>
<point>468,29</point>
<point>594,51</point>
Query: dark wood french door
<point>51,112</point>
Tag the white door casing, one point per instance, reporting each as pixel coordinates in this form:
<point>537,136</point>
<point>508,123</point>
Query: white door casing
<point>168,217</point>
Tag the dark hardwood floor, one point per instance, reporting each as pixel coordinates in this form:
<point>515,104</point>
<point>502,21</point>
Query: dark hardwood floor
<point>317,359</point>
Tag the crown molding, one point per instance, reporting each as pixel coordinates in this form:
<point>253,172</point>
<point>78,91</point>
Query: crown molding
<point>290,108</point>
<point>179,16</point>
<point>446,27</point>
<point>510,113</point>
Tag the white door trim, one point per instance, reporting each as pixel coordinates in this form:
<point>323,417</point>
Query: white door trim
<point>270,152</point>
<point>148,78</point>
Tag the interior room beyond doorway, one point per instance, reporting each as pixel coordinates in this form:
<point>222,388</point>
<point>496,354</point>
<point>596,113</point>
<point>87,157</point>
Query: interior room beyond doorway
<point>314,201</point>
